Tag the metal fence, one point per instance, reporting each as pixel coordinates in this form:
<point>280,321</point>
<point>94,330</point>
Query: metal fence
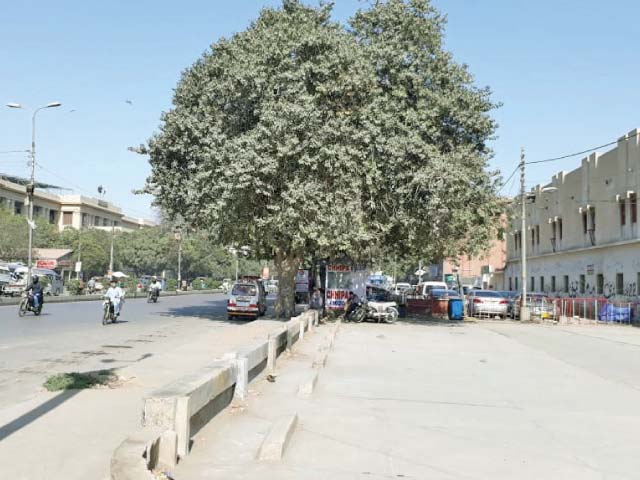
<point>596,309</point>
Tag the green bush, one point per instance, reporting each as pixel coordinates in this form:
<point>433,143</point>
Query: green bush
<point>78,381</point>
<point>172,284</point>
<point>74,287</point>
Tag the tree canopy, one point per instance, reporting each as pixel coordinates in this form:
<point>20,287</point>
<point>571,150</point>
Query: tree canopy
<point>300,135</point>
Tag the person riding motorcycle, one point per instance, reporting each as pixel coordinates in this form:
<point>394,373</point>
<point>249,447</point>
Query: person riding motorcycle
<point>155,286</point>
<point>116,295</point>
<point>37,292</point>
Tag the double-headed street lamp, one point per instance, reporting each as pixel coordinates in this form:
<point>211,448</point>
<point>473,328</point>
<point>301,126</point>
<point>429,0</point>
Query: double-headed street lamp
<point>32,185</point>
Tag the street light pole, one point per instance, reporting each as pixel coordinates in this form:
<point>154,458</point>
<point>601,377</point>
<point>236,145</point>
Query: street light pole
<point>32,184</point>
<point>524,309</point>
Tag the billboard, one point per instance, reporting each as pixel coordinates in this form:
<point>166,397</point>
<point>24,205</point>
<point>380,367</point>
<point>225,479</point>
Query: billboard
<point>340,280</point>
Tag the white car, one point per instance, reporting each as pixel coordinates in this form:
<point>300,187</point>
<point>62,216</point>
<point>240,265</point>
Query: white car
<point>247,299</point>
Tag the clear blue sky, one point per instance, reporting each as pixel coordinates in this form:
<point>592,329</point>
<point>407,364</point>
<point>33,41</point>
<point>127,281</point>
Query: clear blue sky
<point>567,72</point>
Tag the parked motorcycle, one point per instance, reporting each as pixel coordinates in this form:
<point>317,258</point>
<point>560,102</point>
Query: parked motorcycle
<point>26,305</point>
<point>108,312</point>
<point>377,311</point>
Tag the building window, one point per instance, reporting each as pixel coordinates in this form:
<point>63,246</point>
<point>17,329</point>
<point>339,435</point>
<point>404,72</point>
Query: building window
<point>533,238</point>
<point>583,284</point>
<point>17,208</point>
<point>510,283</point>
<point>619,284</point>
<point>37,211</point>
<point>537,234</point>
<point>105,222</point>
<point>600,284</point>
<point>516,282</point>
<point>553,283</point>
<point>533,284</point>
<point>622,206</point>
<point>584,222</point>
<point>592,226</point>
<point>542,284</point>
<point>83,223</point>
<point>559,229</point>
<point>633,203</point>
<point>96,221</point>
<point>565,284</point>
<point>52,216</point>
<point>67,218</point>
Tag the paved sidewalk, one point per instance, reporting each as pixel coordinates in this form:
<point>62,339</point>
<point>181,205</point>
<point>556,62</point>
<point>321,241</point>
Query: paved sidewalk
<point>489,400</point>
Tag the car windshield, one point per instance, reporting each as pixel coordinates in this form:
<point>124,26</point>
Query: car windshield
<point>243,289</point>
<point>440,292</point>
<point>486,293</point>
<point>508,294</point>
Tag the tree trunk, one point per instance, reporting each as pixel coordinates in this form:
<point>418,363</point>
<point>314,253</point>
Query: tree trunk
<point>286,268</point>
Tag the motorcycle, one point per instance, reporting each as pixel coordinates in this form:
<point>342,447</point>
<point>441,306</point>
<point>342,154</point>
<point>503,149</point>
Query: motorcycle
<point>108,312</point>
<point>378,311</point>
<point>152,295</point>
<point>26,305</point>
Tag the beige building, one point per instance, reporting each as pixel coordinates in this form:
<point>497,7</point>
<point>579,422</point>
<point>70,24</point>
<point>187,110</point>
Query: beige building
<point>67,211</point>
<point>582,235</point>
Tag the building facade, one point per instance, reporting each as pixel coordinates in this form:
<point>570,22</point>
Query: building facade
<point>67,211</point>
<point>582,235</point>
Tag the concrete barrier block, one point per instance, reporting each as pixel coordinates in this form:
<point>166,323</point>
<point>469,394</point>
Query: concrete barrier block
<point>272,353</point>
<point>276,441</point>
<point>136,456</point>
<point>306,388</point>
<point>255,354</point>
<point>168,450</point>
<point>320,360</point>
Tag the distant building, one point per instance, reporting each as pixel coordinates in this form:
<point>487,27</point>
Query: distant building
<point>66,211</point>
<point>582,235</point>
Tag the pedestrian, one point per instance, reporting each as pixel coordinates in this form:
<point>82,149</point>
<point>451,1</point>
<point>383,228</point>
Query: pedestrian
<point>317,302</point>
<point>91,285</point>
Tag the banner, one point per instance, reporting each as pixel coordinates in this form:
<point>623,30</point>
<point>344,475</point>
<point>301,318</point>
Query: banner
<point>47,264</point>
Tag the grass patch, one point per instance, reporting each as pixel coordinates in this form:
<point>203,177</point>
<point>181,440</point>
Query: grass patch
<point>78,381</point>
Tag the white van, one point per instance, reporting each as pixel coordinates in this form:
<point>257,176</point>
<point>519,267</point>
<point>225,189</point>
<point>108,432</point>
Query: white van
<point>425,288</point>
<point>54,280</point>
<point>247,299</point>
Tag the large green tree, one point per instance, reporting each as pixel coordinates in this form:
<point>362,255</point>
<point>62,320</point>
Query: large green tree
<point>299,136</point>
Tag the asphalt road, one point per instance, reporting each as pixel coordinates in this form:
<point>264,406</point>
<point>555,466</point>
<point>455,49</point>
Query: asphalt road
<point>70,337</point>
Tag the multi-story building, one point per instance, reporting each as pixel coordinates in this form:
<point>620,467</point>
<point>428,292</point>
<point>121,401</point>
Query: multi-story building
<point>481,271</point>
<point>66,211</point>
<point>582,233</point>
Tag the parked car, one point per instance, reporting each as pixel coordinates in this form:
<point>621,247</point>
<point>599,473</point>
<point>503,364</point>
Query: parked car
<point>511,296</point>
<point>539,305</point>
<point>423,289</point>
<point>486,302</point>
<point>247,299</point>
<point>400,288</point>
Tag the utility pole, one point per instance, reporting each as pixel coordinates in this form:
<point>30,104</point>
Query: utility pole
<point>32,184</point>
<point>179,238</point>
<point>113,233</point>
<point>524,308</point>
<point>79,248</point>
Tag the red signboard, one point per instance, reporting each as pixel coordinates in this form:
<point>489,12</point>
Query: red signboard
<point>47,264</point>
<point>338,268</point>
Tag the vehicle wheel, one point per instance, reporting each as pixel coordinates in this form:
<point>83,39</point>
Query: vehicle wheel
<point>105,315</point>
<point>359,316</point>
<point>38,310</point>
<point>392,315</point>
<point>22,308</point>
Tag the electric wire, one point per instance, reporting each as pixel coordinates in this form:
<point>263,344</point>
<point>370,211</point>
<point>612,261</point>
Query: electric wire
<point>554,159</point>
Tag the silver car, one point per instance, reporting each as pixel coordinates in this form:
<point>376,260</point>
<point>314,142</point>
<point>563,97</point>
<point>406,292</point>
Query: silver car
<point>487,303</point>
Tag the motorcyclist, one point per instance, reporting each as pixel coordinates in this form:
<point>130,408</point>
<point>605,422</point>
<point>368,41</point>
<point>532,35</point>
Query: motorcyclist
<point>351,305</point>
<point>155,286</point>
<point>37,293</point>
<point>116,295</point>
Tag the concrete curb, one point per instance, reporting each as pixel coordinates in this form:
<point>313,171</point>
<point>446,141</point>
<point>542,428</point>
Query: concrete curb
<point>308,386</point>
<point>278,438</point>
<point>136,455</point>
<point>168,412</point>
